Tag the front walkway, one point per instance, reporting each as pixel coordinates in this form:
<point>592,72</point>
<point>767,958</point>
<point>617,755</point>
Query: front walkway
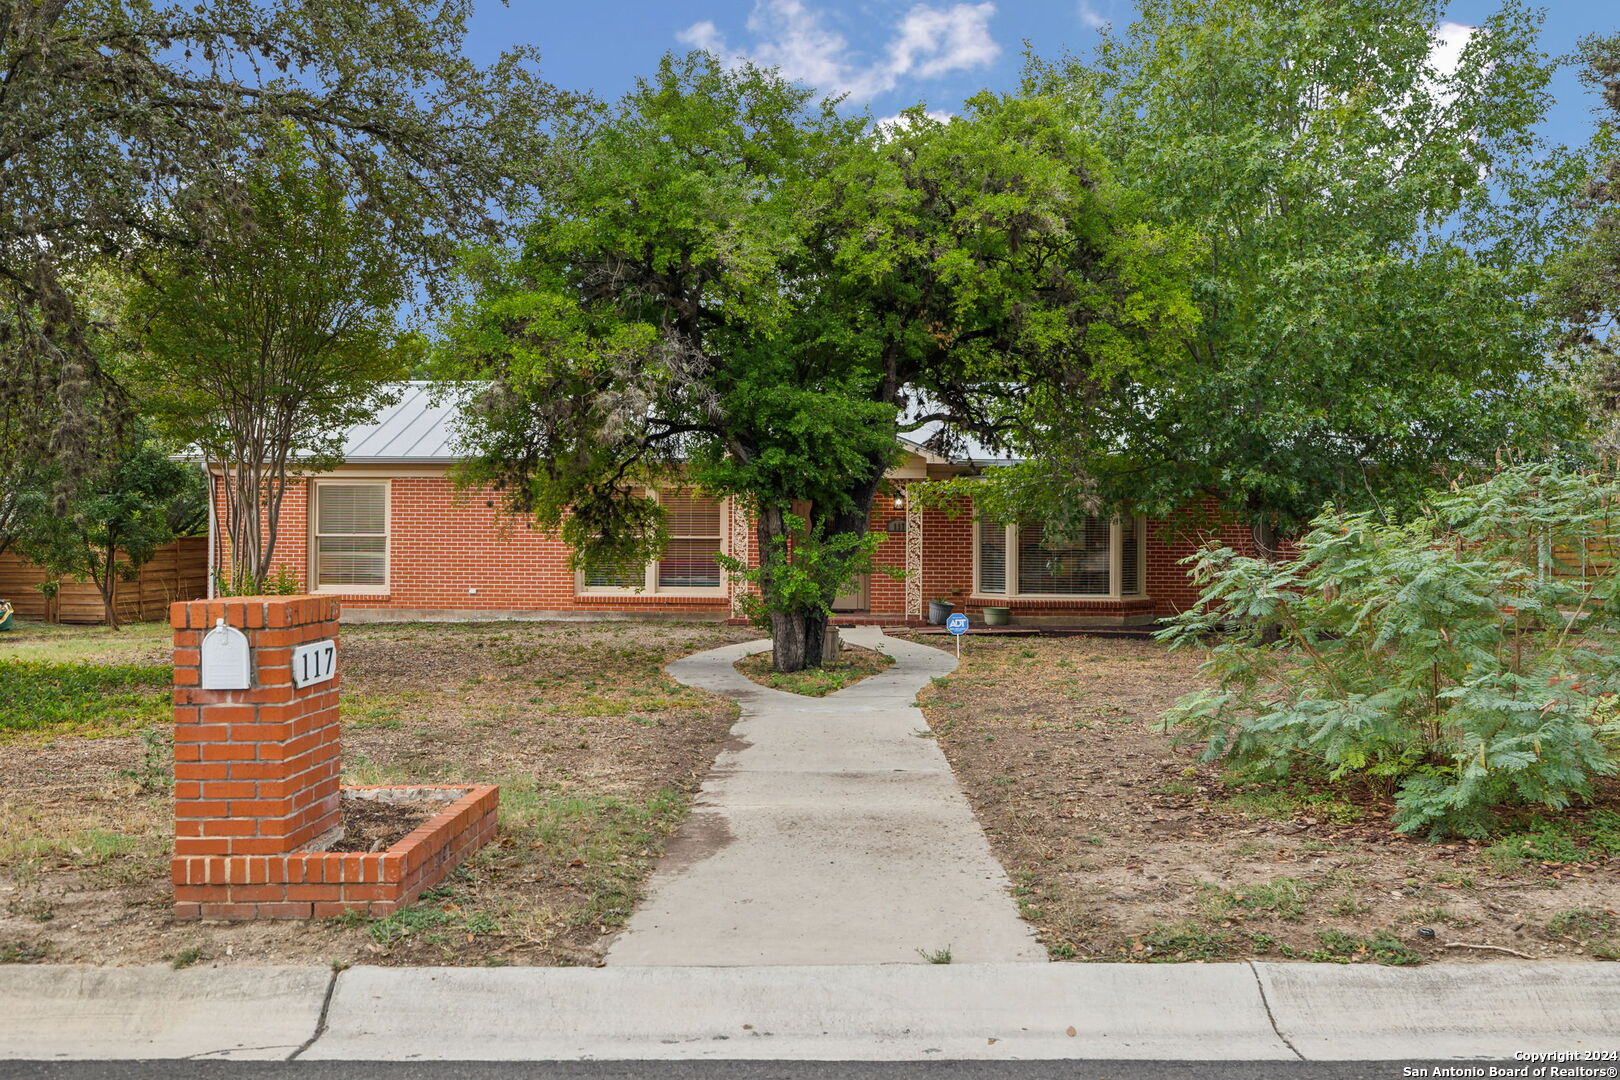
<point>831,831</point>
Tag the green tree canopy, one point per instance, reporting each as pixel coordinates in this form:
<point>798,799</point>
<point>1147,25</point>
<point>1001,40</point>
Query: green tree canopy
<point>261,348</point>
<point>117,520</point>
<point>730,285</point>
<point>110,109</point>
<point>1371,255</point>
<point>1586,279</point>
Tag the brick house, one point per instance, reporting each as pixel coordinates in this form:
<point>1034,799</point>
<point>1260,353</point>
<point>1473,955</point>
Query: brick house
<point>389,532</point>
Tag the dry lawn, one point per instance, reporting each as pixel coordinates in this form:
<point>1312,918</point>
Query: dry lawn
<point>596,749</point>
<point>1123,846</point>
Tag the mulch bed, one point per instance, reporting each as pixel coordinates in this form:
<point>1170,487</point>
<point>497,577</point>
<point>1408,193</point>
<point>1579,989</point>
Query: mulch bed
<point>375,824</point>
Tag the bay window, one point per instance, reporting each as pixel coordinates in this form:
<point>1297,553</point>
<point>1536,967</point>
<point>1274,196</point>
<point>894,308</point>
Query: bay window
<point>1101,559</point>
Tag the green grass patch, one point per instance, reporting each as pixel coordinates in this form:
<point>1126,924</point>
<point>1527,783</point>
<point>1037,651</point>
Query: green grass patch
<point>1593,929</point>
<point>60,643</point>
<point>1282,898</point>
<point>606,843</point>
<point>1341,948</point>
<point>1180,942</point>
<point>1558,840</point>
<point>84,699</point>
<point>84,850</point>
<point>1294,801</point>
<point>854,665</point>
<point>24,952</point>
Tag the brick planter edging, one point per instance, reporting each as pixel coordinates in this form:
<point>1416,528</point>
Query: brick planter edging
<point>316,884</point>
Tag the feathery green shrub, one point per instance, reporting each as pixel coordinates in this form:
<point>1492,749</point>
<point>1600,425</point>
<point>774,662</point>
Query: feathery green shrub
<point>1465,661</point>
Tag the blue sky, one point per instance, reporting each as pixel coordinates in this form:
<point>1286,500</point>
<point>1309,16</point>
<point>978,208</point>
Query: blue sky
<point>890,54</point>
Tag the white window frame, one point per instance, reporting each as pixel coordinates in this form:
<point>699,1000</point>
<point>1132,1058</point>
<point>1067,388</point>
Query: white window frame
<point>313,513</point>
<point>649,584</point>
<point>1116,565</point>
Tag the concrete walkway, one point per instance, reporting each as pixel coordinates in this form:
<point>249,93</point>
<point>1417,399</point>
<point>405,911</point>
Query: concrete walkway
<point>1178,1012</point>
<point>829,832</point>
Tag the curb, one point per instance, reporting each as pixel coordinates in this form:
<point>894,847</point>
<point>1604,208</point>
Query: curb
<point>1202,1012</point>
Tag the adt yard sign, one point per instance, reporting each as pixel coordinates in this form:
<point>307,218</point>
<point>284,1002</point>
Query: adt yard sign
<point>314,663</point>
<point>957,624</point>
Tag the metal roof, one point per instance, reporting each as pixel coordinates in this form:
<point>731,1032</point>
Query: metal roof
<point>419,429</point>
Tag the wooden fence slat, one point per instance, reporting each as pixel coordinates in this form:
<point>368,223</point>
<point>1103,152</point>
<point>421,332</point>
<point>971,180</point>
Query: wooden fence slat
<point>177,571</point>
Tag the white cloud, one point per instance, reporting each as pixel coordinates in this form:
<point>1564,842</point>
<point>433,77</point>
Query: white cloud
<point>1447,53</point>
<point>900,121</point>
<point>926,43</point>
<point>932,42</point>
<point>1090,17</point>
<point>703,35</point>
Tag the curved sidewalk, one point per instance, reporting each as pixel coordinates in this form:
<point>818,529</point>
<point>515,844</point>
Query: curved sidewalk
<point>830,831</point>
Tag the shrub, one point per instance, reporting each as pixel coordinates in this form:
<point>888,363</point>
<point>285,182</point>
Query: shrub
<point>1461,660</point>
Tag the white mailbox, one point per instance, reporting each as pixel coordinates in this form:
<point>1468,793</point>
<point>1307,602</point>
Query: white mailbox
<point>226,662</point>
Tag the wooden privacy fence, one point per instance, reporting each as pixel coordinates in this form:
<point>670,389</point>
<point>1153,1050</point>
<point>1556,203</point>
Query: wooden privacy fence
<point>1596,560</point>
<point>178,571</point>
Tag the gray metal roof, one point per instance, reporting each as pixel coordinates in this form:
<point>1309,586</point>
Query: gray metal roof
<point>416,429</point>
<point>419,429</point>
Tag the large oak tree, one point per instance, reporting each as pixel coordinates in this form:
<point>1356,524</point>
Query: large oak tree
<point>730,286</point>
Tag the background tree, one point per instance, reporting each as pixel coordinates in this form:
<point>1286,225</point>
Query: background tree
<point>1366,325</point>
<point>264,345</point>
<point>1586,277</point>
<point>116,521</point>
<point>110,108</point>
<point>731,287</point>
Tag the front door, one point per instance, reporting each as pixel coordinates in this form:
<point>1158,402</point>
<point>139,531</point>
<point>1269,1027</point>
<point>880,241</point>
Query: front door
<point>853,598</point>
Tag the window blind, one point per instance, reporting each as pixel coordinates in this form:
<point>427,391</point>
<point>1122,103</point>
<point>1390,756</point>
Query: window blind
<point>695,532</point>
<point>992,557</point>
<point>1130,557</point>
<point>351,534</point>
<point>1077,567</point>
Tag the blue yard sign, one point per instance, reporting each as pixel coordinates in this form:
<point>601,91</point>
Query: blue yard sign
<point>957,624</point>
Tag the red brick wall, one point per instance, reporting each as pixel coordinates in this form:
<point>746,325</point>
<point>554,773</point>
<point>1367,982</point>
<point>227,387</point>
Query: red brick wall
<point>255,770</point>
<point>444,544</point>
<point>256,795</point>
<point>455,550</point>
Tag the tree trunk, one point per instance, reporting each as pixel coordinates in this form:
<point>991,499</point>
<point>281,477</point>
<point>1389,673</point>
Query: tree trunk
<point>788,647</point>
<point>797,636</point>
<point>1264,532</point>
<point>106,584</point>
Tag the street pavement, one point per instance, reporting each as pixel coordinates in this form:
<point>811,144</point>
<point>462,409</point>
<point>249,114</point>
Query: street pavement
<point>728,1070</point>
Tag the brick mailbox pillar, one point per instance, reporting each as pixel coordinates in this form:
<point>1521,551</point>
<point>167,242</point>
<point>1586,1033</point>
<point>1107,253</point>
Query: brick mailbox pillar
<point>256,778</point>
<point>255,770</point>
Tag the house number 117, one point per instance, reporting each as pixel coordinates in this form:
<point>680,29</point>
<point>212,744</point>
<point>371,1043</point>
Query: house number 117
<point>314,663</point>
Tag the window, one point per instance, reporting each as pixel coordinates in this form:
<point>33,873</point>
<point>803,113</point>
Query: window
<point>1102,559</point>
<point>696,526</point>
<point>349,529</point>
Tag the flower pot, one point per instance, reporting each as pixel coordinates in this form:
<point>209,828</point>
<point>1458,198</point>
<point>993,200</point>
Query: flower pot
<point>938,612</point>
<point>997,616</point>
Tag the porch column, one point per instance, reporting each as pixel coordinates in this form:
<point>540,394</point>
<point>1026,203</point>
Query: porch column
<point>914,559</point>
<point>740,528</point>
